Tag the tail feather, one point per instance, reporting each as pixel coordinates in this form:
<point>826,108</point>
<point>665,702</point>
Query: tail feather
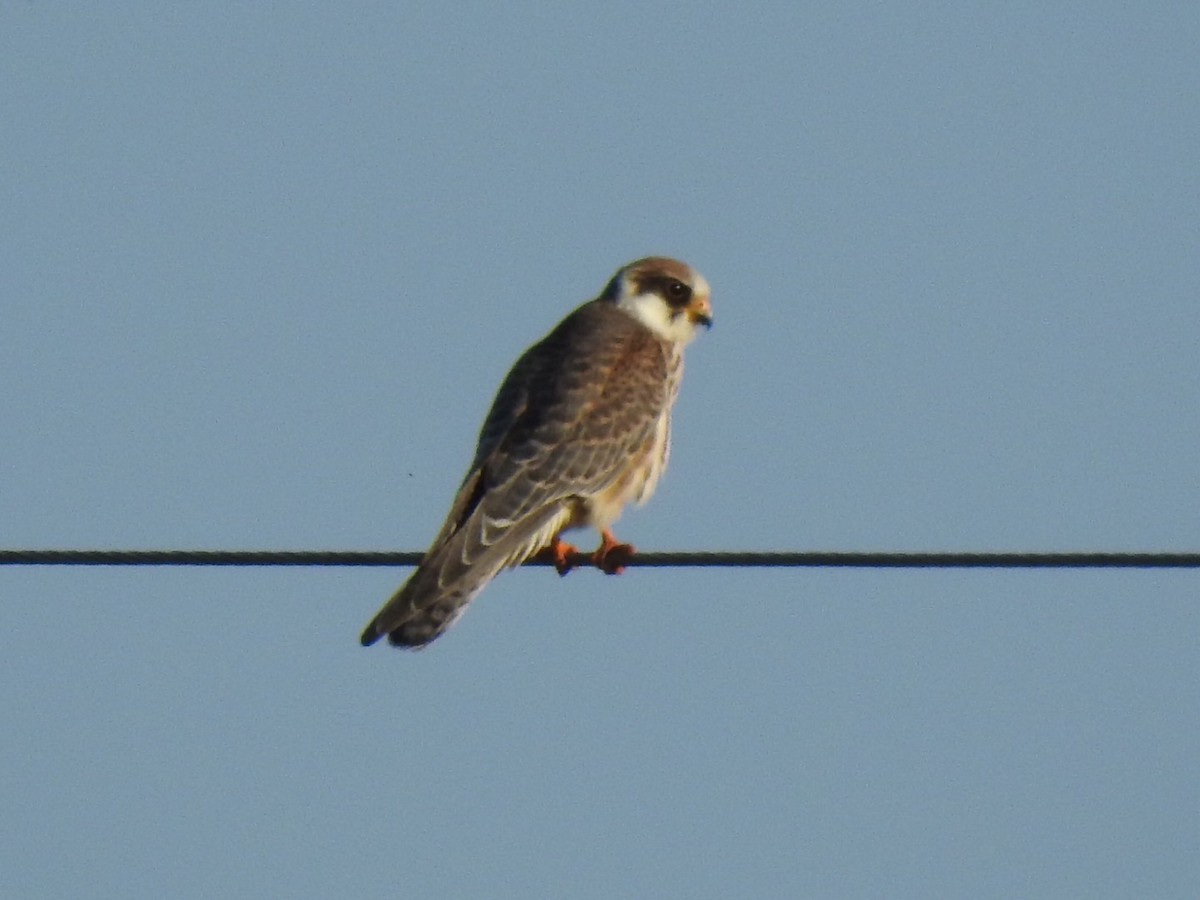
<point>452,575</point>
<point>412,624</point>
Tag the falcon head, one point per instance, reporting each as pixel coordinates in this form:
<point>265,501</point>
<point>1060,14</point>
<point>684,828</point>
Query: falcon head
<point>667,296</point>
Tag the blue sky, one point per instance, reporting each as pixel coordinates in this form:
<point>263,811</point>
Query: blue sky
<point>263,269</point>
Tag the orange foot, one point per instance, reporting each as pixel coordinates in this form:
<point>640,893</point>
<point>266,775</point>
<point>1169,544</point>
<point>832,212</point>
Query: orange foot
<point>611,556</point>
<point>558,553</point>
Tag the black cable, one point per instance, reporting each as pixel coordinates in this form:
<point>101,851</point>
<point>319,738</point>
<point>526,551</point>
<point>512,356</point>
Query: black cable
<point>689,559</point>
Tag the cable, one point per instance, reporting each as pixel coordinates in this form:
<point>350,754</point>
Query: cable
<point>701,559</point>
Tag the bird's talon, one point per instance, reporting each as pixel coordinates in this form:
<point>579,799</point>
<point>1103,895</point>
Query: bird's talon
<point>612,557</point>
<point>558,554</point>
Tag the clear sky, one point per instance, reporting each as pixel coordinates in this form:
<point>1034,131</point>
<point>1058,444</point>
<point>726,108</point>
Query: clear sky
<point>263,266</point>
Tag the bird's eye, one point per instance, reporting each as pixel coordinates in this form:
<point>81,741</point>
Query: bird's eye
<point>678,292</point>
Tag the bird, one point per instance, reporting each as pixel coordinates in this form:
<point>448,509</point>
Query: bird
<point>580,427</point>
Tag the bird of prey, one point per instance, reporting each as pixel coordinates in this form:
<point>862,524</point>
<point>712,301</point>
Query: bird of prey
<point>579,428</point>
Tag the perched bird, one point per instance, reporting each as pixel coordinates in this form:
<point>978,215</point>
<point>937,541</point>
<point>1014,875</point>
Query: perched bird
<point>580,427</point>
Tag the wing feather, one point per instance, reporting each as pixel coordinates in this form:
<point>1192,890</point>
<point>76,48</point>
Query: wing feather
<point>594,406</point>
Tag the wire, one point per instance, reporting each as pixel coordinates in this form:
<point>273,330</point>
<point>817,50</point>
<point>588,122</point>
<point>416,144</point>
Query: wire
<point>701,559</point>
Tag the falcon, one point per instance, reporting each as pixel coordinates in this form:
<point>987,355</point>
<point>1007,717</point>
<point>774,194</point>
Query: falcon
<point>580,427</point>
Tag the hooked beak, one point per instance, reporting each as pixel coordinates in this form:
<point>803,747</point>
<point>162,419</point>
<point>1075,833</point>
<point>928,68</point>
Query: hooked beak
<point>699,311</point>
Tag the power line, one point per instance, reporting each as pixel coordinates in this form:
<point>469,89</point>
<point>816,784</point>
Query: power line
<point>685,559</point>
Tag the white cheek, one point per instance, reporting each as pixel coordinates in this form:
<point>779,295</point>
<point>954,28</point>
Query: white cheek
<point>653,312</point>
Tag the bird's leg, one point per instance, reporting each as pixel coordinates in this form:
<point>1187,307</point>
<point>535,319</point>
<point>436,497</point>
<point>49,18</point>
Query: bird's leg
<point>558,552</point>
<point>612,556</point>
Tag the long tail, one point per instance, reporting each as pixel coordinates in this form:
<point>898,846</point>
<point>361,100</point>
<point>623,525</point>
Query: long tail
<point>420,611</point>
<point>453,574</point>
